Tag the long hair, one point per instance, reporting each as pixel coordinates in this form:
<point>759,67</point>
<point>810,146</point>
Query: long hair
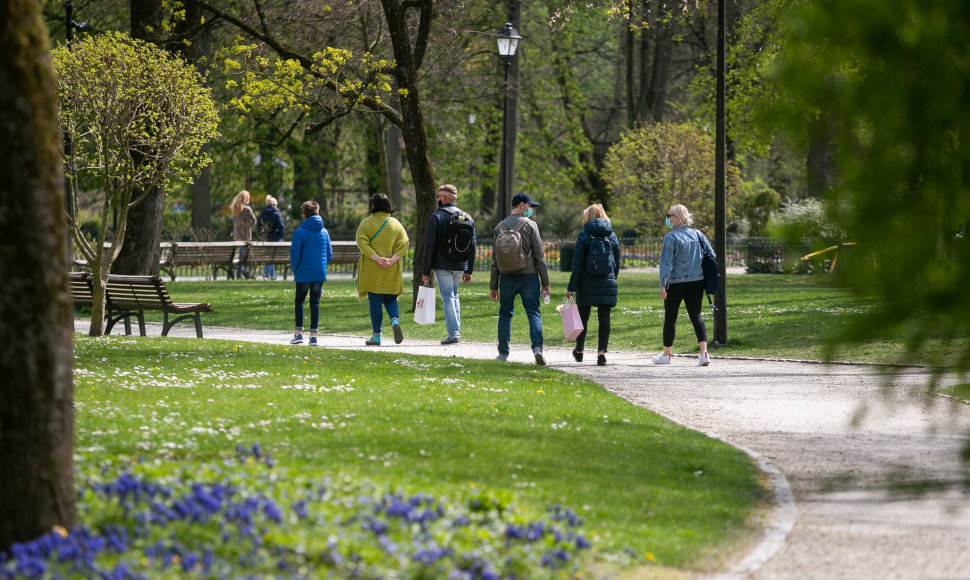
<point>241,199</point>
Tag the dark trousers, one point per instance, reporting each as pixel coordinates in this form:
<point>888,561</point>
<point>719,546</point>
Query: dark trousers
<point>692,295</point>
<point>602,331</point>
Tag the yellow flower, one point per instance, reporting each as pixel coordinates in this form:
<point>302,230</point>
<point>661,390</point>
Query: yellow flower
<point>649,556</point>
<point>541,392</point>
<point>60,531</point>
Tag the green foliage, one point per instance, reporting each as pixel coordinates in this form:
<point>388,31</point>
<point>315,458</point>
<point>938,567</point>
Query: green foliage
<point>892,80</point>
<point>658,165</point>
<point>756,206</point>
<point>807,220</point>
<point>137,115</point>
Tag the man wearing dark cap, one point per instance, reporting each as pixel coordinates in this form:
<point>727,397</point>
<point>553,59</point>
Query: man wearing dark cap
<point>528,281</point>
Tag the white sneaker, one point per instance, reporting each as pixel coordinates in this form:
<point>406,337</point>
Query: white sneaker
<point>661,359</point>
<point>703,360</point>
<point>502,357</point>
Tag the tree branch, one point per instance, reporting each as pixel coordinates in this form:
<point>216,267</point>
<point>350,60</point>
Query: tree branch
<point>370,102</point>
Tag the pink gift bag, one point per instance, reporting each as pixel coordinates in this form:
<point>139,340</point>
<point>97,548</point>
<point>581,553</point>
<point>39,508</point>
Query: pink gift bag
<point>572,324</point>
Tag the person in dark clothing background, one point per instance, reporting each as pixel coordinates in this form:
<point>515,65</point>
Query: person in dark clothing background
<point>271,227</point>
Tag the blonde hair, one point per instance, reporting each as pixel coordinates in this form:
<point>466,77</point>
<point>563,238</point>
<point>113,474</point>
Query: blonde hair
<point>270,200</point>
<point>241,199</point>
<point>682,214</point>
<point>594,211</point>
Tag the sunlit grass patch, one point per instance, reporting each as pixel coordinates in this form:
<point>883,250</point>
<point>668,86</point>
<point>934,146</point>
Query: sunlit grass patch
<point>525,436</point>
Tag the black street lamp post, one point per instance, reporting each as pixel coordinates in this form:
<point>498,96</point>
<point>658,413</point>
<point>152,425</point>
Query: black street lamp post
<point>508,41</point>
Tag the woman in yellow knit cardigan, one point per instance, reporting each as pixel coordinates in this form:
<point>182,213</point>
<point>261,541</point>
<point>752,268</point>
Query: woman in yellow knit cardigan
<point>383,241</point>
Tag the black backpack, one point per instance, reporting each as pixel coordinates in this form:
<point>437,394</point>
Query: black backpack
<point>459,236</point>
<point>600,261</point>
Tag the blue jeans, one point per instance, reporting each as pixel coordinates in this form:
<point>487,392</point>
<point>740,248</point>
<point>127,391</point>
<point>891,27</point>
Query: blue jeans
<point>315,289</point>
<point>270,271</point>
<point>378,302</point>
<point>527,287</point>
<point>448,281</point>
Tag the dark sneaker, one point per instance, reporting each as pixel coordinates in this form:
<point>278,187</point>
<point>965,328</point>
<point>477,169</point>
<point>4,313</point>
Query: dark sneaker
<point>601,360</point>
<point>540,360</point>
<point>297,339</point>
<point>313,341</point>
<point>578,355</point>
<point>398,334</point>
<point>451,340</point>
<point>372,342</point>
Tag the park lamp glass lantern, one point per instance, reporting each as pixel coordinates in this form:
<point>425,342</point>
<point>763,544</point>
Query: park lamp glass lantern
<point>508,40</point>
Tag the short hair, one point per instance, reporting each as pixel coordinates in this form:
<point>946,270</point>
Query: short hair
<point>270,200</point>
<point>310,208</point>
<point>681,212</point>
<point>451,189</point>
<point>594,211</point>
<point>380,202</point>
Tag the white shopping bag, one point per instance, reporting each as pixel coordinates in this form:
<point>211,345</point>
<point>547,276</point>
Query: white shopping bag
<point>424,307</point>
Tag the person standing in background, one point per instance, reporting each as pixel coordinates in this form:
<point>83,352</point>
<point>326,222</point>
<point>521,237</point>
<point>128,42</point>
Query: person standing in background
<point>271,227</point>
<point>243,220</point>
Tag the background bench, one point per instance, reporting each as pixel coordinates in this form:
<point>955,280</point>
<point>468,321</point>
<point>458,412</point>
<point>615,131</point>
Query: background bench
<point>262,254</point>
<point>346,253</point>
<point>130,296</point>
<point>218,255</point>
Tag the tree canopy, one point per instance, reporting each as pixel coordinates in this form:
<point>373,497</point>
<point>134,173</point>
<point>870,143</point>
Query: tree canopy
<point>891,81</point>
<point>137,117</point>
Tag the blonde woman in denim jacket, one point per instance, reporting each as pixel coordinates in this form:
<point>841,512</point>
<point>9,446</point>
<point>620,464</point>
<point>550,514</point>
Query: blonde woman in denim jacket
<point>682,280</point>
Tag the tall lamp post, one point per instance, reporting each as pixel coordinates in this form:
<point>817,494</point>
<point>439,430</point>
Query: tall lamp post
<point>508,41</point>
<point>720,153</point>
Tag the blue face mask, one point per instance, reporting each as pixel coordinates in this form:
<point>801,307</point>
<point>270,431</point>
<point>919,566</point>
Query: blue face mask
<point>667,223</point>
<point>528,213</point>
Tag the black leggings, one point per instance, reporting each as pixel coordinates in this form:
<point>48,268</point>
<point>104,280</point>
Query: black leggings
<point>603,333</point>
<point>692,294</point>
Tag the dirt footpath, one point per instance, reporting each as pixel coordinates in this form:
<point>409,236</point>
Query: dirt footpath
<point>875,495</point>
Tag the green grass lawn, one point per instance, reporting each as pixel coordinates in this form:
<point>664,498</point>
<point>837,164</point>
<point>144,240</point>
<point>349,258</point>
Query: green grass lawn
<point>768,315</point>
<point>519,436</point>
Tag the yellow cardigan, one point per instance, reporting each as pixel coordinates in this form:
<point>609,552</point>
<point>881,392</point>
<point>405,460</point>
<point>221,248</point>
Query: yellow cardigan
<point>393,239</point>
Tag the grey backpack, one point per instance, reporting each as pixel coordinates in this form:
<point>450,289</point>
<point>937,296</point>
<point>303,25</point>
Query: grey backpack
<point>510,255</point>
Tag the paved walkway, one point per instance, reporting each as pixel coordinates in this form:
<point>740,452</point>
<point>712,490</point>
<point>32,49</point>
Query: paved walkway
<point>859,495</point>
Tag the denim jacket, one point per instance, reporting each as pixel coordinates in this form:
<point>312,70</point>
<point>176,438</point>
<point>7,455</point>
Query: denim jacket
<point>681,256</point>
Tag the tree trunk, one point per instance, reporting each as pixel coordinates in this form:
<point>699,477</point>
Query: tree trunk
<point>415,138</point>
<point>395,151</point>
<point>36,401</point>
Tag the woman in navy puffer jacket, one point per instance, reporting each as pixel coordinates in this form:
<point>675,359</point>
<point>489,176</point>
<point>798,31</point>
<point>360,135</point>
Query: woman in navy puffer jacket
<point>597,289</point>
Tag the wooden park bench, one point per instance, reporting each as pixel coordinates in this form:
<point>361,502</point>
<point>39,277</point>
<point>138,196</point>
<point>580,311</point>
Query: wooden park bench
<point>217,255</point>
<point>346,253</point>
<point>130,296</point>
<point>262,254</point>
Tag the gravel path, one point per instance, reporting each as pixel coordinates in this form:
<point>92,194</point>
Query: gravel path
<point>859,495</point>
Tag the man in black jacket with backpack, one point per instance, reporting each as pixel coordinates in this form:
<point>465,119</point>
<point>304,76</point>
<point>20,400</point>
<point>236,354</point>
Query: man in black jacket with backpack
<point>449,250</point>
